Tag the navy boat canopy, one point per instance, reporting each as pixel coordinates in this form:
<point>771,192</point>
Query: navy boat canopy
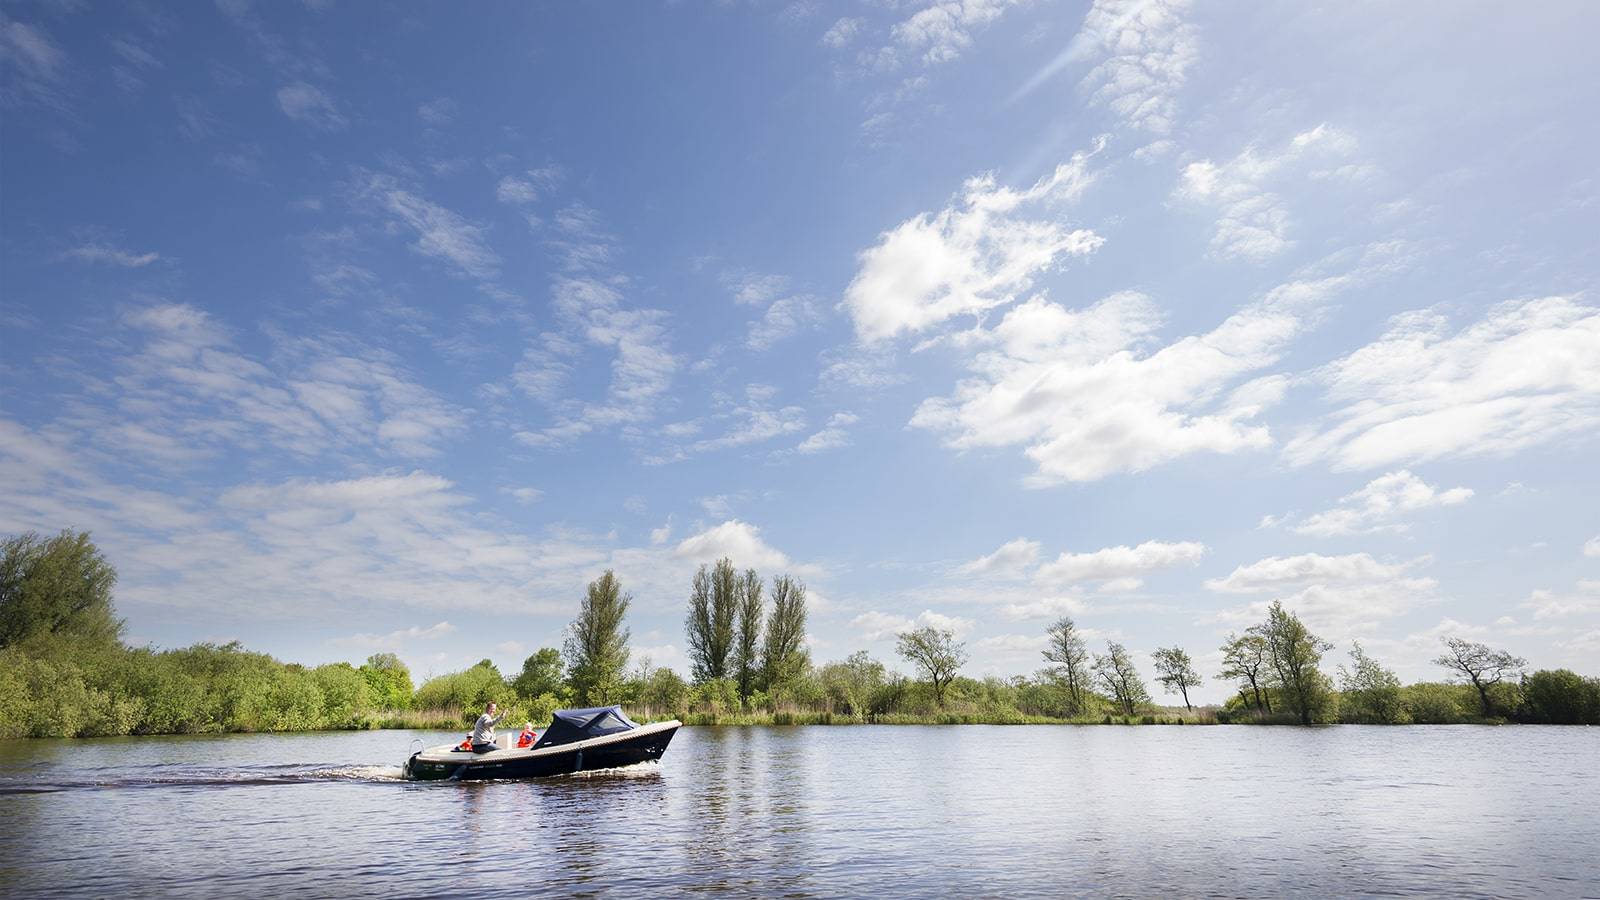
<point>570,725</point>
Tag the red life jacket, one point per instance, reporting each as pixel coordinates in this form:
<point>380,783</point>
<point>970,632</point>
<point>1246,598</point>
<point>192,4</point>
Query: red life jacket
<point>466,744</point>
<point>526,738</point>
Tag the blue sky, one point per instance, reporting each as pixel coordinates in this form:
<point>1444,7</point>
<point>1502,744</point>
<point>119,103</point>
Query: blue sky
<point>348,327</point>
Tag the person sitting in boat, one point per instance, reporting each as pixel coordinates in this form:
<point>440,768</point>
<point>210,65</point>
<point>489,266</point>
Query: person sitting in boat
<point>483,730</point>
<point>527,737</point>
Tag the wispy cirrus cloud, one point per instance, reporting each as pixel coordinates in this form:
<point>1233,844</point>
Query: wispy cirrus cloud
<point>311,105</point>
<point>110,255</point>
<point>1253,222</point>
<point>1527,373</point>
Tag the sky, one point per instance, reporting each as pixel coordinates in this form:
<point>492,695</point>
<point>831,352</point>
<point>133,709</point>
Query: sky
<point>348,327</point>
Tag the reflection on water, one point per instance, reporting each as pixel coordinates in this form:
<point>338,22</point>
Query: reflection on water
<point>904,811</point>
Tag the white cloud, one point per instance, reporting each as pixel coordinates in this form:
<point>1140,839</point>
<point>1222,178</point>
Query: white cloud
<point>1527,373</point>
<point>184,391</point>
<point>942,30</point>
<point>441,234</point>
<point>525,494</point>
<point>1375,507</point>
<point>1145,49</point>
<point>588,302</point>
<point>115,256</point>
<point>978,253</point>
<point>1012,560</point>
<point>842,32</point>
<point>877,626</point>
<point>1343,610</point>
<point>1081,390</point>
<point>784,318</point>
<point>36,64</point>
<point>1015,644</point>
<point>438,112</point>
<point>831,437</point>
<point>752,420</point>
<point>741,542</point>
<point>394,639</point>
<point>520,190</point>
<point>311,105</point>
<point>1276,572</point>
<point>1550,605</point>
<point>1591,547</point>
<point>1044,608</point>
<point>1253,220</point>
<point>1115,563</point>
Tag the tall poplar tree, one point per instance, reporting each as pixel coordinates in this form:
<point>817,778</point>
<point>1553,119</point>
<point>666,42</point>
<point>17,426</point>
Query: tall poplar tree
<point>596,649</point>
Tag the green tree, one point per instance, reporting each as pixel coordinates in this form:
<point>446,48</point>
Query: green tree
<point>1561,697</point>
<point>783,656</point>
<point>1071,657</point>
<point>747,634</point>
<point>1118,673</point>
<point>1176,672</point>
<point>1480,665</point>
<point>541,674</point>
<point>936,652</point>
<point>1372,694</point>
<point>389,680</point>
<point>596,649</point>
<point>709,626</point>
<point>1295,654</point>
<point>849,686</point>
<point>1245,661</point>
<point>59,585</point>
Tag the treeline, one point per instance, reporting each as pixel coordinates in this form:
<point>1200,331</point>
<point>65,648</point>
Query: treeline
<point>65,672</point>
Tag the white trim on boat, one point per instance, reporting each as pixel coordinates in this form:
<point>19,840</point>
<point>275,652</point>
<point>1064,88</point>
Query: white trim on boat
<point>451,753</point>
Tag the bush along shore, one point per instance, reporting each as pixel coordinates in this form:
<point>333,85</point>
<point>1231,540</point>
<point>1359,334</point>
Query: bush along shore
<point>65,672</point>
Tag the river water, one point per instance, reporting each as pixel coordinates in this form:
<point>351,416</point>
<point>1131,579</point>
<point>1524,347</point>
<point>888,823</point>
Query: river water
<point>823,811</point>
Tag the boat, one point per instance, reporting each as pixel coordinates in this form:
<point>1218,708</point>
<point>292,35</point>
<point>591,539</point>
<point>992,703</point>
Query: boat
<point>577,740</point>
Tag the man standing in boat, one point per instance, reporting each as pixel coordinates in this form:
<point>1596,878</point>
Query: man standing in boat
<point>483,730</point>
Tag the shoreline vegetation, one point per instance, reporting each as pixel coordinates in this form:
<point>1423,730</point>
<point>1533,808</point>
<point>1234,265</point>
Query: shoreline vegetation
<point>65,672</point>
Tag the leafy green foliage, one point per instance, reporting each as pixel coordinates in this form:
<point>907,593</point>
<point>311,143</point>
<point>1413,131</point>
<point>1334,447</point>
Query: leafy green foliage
<point>1560,697</point>
<point>1369,693</point>
<point>596,650</point>
<point>936,652</point>
<point>55,586</point>
<point>541,674</point>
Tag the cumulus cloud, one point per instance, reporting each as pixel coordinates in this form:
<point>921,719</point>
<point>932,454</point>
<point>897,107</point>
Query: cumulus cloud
<point>310,104</point>
<point>977,253</point>
<point>741,542</point>
<point>1277,572</point>
<point>1375,507</point>
<point>1585,600</point>
<point>1527,373</point>
<point>1114,563</point>
<point>833,436</point>
<point>1083,391</point>
<point>1253,220</point>
<point>877,626</point>
<point>1591,547</point>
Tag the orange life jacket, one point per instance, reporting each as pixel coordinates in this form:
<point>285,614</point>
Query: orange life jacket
<point>466,744</point>
<point>526,738</point>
